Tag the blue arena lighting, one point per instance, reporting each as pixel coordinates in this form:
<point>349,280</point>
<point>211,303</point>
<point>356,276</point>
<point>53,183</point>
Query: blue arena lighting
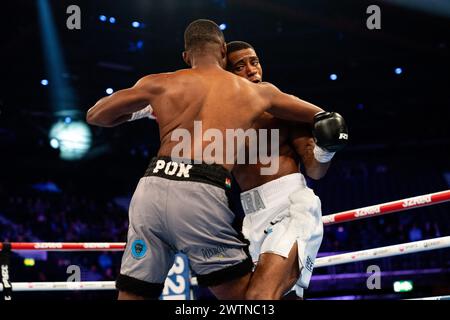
<point>333,77</point>
<point>136,24</point>
<point>44,82</point>
<point>109,90</point>
<point>62,95</point>
<point>398,70</point>
<point>102,18</point>
<point>223,26</point>
<point>67,120</point>
<point>112,20</point>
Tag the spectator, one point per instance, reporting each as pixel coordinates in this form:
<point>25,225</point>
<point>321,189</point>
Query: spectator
<point>415,233</point>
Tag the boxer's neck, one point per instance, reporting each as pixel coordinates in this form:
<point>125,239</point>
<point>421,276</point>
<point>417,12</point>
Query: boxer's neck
<point>205,61</point>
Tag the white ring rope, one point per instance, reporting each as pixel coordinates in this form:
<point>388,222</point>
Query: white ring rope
<point>432,298</point>
<point>62,286</point>
<point>382,252</point>
<point>69,285</point>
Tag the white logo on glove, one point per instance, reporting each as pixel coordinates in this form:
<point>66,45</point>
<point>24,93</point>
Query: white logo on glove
<point>343,136</point>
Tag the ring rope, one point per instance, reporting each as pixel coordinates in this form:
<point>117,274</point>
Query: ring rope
<point>105,285</point>
<point>62,286</point>
<point>381,252</point>
<point>345,216</point>
<point>388,207</point>
<point>67,246</point>
<point>432,298</point>
<point>384,252</point>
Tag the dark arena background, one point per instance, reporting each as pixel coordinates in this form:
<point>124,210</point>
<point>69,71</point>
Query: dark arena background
<point>62,180</point>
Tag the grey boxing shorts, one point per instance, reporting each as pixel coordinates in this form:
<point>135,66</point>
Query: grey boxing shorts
<point>180,206</point>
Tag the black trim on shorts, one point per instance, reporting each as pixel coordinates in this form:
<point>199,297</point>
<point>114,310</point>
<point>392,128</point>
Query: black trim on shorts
<point>212,174</point>
<point>227,274</point>
<point>141,288</point>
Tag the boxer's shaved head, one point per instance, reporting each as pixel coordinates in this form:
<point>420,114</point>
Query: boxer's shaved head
<point>201,32</point>
<point>203,38</point>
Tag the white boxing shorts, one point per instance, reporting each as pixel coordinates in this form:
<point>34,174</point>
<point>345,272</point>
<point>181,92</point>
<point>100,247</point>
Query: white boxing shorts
<point>280,213</point>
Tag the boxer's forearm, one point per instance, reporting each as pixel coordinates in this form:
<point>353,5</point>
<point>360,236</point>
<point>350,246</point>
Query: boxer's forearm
<point>304,147</point>
<point>314,169</point>
<point>116,108</point>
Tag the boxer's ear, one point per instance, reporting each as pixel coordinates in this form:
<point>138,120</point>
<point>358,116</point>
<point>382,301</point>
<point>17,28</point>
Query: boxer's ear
<point>186,58</point>
<point>223,51</point>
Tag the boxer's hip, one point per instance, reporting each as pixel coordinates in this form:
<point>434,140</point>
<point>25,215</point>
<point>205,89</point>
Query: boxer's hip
<point>266,206</point>
<point>273,195</point>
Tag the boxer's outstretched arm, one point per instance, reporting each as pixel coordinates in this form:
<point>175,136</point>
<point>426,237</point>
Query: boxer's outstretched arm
<point>300,137</point>
<point>118,107</point>
<point>288,107</point>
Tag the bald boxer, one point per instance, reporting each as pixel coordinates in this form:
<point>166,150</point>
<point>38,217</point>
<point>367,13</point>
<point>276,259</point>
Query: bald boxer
<point>181,204</point>
<point>283,242</point>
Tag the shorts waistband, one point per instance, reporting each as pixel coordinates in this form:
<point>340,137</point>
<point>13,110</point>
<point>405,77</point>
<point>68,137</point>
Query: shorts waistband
<point>272,193</point>
<point>187,170</point>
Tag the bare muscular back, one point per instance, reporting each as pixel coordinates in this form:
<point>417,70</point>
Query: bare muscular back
<point>219,99</point>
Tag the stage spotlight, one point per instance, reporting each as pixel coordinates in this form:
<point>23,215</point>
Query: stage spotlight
<point>73,139</point>
<point>112,20</point>
<point>223,26</point>
<point>67,120</point>
<point>135,24</point>
<point>398,70</point>
<point>333,77</point>
<point>102,18</point>
<point>109,90</point>
<point>44,82</point>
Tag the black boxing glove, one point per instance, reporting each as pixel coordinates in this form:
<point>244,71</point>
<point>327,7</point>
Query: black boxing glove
<point>330,134</point>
